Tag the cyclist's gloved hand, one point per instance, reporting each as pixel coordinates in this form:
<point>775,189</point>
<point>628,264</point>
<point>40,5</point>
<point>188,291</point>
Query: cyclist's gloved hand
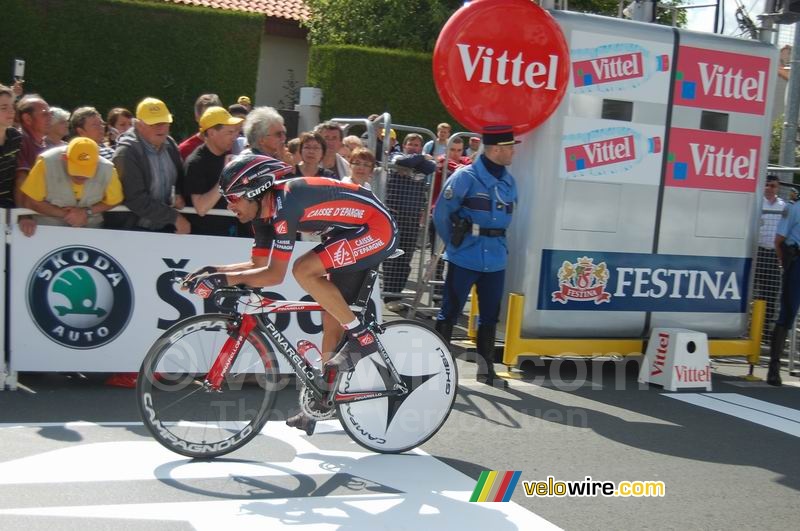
<point>204,286</point>
<point>205,270</point>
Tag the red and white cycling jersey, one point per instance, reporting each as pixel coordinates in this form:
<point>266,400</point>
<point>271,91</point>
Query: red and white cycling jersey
<point>359,230</point>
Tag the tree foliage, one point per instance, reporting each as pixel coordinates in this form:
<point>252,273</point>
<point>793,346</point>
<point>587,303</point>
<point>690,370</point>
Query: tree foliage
<point>400,24</point>
<point>610,8</point>
<point>414,24</point>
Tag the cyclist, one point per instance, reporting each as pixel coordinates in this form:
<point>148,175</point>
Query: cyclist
<point>359,233</point>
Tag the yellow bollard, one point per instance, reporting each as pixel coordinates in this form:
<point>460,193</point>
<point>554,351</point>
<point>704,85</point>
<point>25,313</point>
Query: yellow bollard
<point>472,324</point>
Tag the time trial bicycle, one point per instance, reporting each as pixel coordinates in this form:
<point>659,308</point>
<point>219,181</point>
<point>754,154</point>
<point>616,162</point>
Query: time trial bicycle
<point>207,386</point>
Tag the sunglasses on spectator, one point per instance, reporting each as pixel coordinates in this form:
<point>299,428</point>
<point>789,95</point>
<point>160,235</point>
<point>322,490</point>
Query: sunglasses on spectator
<point>279,134</point>
<point>362,164</point>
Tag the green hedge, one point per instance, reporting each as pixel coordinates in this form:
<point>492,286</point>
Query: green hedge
<point>358,81</point>
<point>110,53</point>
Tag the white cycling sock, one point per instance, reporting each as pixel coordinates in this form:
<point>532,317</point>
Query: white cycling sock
<point>354,323</point>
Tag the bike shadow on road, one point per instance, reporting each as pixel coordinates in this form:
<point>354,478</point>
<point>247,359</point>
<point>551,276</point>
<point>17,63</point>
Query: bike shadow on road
<point>426,503</point>
<point>686,431</point>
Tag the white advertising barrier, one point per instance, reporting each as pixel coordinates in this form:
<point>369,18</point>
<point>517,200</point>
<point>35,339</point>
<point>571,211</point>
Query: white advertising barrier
<point>676,359</point>
<point>94,300</point>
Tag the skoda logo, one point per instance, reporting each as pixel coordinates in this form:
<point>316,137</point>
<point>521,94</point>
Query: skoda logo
<point>80,297</point>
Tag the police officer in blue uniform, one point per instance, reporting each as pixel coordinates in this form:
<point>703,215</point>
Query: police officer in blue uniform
<point>472,215</point>
<point>787,248</point>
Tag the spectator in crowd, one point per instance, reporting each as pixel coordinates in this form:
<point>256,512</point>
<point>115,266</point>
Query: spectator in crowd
<point>18,88</point>
<point>10,141</point>
<point>362,162</point>
<point>203,102</point>
<point>406,198</point>
<point>239,111</point>
<point>265,132</point>
<point>245,102</point>
<point>394,147</point>
<point>312,151</point>
<point>293,147</point>
<point>784,62</point>
<point>472,215</point>
<point>72,185</point>
<point>34,117</point>
<point>203,168</point>
<point>332,161</point>
<point>473,148</point>
<point>87,122</point>
<point>793,194</point>
<point>59,128</point>
<point>118,122</point>
<point>438,147</point>
<point>151,171</point>
<point>766,284</point>
<point>454,160</point>
<point>349,143</point>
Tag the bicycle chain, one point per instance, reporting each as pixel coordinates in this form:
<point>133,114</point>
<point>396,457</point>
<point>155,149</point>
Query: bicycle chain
<point>310,406</point>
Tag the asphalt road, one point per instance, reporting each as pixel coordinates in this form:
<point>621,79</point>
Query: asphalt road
<point>75,456</point>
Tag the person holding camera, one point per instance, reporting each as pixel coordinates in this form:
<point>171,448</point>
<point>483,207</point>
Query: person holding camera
<point>472,215</point>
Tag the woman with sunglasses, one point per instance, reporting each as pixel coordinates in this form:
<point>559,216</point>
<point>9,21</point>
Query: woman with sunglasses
<point>312,150</point>
<point>360,234</point>
<point>362,163</point>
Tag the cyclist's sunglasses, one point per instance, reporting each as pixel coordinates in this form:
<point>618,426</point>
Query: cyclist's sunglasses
<point>234,198</point>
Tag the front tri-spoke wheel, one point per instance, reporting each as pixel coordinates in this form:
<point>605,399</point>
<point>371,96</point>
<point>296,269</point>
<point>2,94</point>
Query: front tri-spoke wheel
<point>180,409</point>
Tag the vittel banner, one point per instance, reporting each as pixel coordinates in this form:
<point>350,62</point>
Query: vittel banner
<point>722,81</point>
<point>636,70</point>
<point>713,160</point>
<point>603,150</point>
<point>501,62</point>
<point>609,281</point>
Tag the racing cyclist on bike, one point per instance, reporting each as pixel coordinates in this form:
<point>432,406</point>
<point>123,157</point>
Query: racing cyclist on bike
<point>359,233</point>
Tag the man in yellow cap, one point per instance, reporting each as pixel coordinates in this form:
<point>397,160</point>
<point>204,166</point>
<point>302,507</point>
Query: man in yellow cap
<point>203,168</point>
<point>245,100</point>
<point>72,185</point>
<point>151,172</point>
<point>203,102</point>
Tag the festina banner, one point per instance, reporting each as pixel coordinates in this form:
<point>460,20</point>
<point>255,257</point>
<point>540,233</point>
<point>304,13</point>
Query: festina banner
<point>94,300</point>
<point>608,281</point>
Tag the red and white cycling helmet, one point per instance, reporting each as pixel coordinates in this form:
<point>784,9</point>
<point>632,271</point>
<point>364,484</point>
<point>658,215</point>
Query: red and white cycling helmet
<point>250,176</point>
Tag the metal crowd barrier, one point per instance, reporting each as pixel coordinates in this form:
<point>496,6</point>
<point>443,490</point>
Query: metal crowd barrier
<point>400,193</point>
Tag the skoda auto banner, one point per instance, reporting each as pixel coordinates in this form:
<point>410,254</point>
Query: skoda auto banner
<point>609,281</point>
<point>95,300</point>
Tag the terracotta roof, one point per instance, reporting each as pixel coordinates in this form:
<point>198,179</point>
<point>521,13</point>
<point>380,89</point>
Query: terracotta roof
<point>286,9</point>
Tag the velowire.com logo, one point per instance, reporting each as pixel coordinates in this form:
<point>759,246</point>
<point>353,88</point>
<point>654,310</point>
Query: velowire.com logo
<point>80,297</point>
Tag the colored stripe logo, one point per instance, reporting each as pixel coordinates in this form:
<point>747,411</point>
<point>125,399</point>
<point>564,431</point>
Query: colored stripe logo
<point>495,486</point>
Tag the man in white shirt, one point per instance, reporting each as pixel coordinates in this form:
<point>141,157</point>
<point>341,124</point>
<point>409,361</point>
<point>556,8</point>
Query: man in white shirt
<point>767,281</point>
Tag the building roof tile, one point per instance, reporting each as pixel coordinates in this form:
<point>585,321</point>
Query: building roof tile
<point>296,10</point>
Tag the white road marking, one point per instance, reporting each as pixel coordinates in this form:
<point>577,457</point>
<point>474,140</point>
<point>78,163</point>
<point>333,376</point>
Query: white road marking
<point>760,412</point>
<point>433,495</point>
